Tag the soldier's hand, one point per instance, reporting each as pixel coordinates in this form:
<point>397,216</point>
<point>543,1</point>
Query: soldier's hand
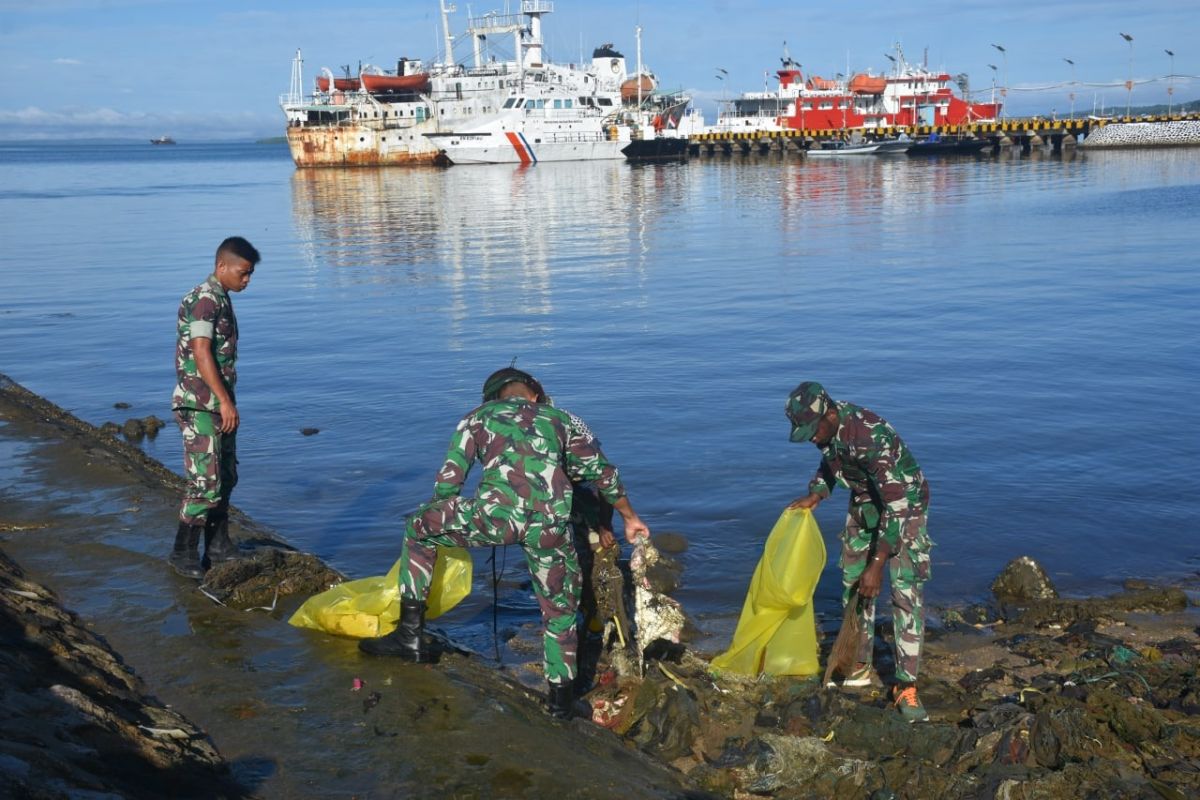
<point>872,579</point>
<point>229,418</point>
<point>808,501</point>
<point>606,538</point>
<point>635,529</point>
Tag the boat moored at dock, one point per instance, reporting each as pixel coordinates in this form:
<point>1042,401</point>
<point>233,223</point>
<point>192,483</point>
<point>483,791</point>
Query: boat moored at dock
<point>908,95</point>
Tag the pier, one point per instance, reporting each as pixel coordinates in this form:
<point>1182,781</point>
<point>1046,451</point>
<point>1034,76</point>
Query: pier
<point>1024,133</point>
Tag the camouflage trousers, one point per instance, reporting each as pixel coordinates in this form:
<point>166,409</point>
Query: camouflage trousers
<point>209,465</point>
<point>908,570</point>
<point>549,555</point>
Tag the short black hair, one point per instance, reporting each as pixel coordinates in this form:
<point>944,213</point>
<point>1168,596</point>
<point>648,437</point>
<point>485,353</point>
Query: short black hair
<point>237,246</point>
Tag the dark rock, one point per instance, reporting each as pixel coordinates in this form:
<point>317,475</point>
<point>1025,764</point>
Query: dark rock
<point>310,431</point>
<point>1070,612</point>
<point>1023,580</point>
<point>972,682</point>
<point>111,428</point>
<point>77,721</point>
<point>152,425</point>
<point>673,543</point>
<point>267,575</point>
<point>133,429</point>
<point>122,405</point>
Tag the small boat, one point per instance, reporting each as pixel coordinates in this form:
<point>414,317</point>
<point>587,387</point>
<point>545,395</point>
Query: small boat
<point>949,146</point>
<point>660,148</point>
<point>162,140</point>
<point>838,147</point>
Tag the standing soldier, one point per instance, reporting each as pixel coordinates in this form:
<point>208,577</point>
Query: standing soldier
<point>530,452</point>
<point>205,408</point>
<point>889,503</point>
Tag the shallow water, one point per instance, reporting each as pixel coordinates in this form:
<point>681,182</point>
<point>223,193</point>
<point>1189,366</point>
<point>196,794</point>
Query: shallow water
<point>1025,323</point>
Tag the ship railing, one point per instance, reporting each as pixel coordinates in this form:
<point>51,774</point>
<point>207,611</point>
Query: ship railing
<point>578,136</point>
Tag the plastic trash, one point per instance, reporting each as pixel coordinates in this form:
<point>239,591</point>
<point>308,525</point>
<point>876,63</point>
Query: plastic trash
<point>776,632</point>
<point>370,607</point>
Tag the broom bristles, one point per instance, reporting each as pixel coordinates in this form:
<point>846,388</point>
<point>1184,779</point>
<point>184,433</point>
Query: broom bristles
<point>844,653</point>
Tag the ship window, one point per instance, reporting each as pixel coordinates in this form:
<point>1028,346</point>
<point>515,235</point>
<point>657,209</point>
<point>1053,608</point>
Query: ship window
<point>567,103</point>
<point>557,103</point>
<point>826,105</point>
<point>604,101</point>
<point>509,102</point>
<point>541,103</point>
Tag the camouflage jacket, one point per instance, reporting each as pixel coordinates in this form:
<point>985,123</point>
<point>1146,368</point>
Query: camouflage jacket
<point>869,458</point>
<point>205,312</point>
<point>530,454</point>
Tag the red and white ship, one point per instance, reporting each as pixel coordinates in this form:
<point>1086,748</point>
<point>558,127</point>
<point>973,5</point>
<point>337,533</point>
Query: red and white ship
<point>909,94</point>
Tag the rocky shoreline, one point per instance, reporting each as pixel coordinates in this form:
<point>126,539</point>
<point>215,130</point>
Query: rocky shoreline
<point>1031,696</point>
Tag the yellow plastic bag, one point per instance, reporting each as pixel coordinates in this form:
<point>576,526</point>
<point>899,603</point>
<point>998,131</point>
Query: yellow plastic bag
<point>370,607</point>
<point>777,633</point>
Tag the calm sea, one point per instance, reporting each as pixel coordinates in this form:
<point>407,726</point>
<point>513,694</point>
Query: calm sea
<point>1026,323</point>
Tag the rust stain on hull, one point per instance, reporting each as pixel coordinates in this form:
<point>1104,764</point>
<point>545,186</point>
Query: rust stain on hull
<point>357,147</point>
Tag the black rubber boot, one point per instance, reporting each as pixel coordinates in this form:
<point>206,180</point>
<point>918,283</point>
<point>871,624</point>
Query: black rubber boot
<point>408,640</point>
<point>185,555</point>
<point>218,546</point>
<point>562,704</point>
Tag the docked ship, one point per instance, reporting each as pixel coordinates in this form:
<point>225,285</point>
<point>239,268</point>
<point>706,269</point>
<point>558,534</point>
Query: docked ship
<point>609,115</point>
<point>386,117</point>
<point>907,95</point>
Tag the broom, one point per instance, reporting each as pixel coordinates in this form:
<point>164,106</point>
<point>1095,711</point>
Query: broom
<point>844,653</point>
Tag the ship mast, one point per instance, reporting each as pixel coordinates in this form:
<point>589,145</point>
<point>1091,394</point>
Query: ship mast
<point>296,91</point>
<point>638,32</point>
<point>447,10</point>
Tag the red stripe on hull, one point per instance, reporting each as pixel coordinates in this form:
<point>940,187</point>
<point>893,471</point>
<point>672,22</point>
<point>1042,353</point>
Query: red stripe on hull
<point>522,154</point>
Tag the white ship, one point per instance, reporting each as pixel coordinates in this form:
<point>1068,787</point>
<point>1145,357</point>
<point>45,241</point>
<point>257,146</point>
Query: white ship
<point>377,117</point>
<point>569,115</point>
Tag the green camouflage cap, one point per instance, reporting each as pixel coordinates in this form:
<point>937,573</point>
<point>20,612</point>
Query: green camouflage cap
<point>807,403</point>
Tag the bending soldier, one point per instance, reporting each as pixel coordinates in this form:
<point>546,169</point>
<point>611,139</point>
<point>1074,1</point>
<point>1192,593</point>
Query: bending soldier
<point>204,406</point>
<point>530,453</point>
<point>886,524</point>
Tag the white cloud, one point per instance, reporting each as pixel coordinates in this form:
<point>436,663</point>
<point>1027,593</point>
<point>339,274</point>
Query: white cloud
<point>70,62</point>
<point>33,122</point>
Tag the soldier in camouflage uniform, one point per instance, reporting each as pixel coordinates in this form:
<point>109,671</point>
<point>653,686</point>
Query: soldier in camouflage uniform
<point>530,452</point>
<point>886,524</point>
<point>205,408</point>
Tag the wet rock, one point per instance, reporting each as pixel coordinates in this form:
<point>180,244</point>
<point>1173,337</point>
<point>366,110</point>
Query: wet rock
<point>110,428</point>
<point>152,425</point>
<point>122,405</point>
<point>310,431</point>
<point>133,429</point>
<point>670,543</point>
<point>77,721</point>
<point>1022,580</point>
<point>270,573</point>
<point>1069,612</point>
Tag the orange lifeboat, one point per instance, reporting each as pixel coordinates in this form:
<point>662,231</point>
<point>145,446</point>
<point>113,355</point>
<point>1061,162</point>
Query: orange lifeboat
<point>341,84</point>
<point>817,82</point>
<point>382,84</point>
<point>867,84</point>
<point>629,87</point>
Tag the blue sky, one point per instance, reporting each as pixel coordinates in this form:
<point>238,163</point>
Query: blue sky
<point>215,69</point>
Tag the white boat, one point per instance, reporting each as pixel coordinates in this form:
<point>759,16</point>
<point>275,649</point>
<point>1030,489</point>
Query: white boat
<point>839,148</point>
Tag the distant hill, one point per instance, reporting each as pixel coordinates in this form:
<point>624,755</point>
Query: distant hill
<point>272,140</point>
<point>1118,110</point>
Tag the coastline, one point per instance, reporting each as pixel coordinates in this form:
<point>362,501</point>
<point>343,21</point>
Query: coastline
<point>1057,698</point>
